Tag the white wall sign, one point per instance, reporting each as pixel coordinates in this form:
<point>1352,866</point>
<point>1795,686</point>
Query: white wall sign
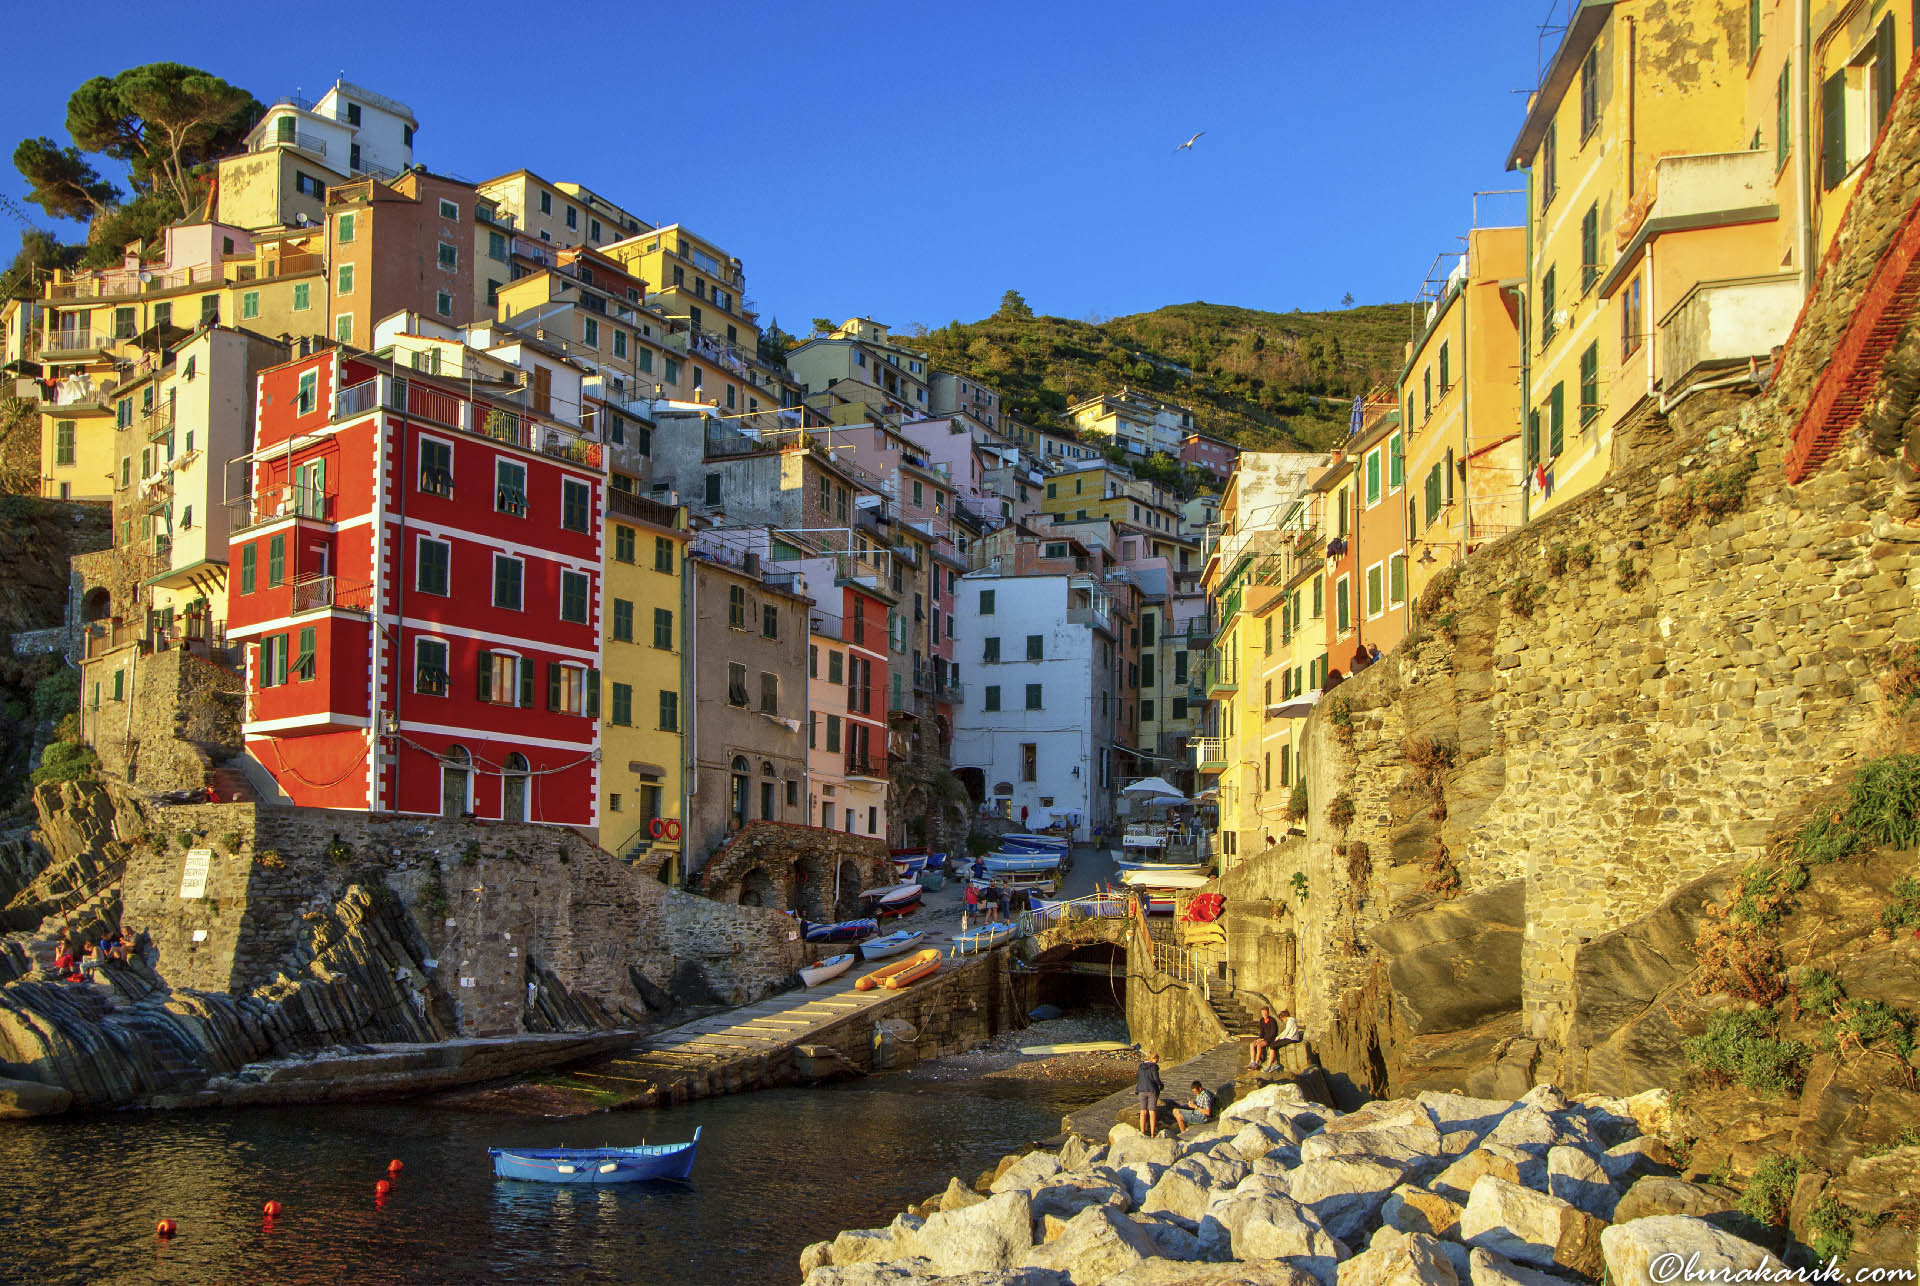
<point>193,876</point>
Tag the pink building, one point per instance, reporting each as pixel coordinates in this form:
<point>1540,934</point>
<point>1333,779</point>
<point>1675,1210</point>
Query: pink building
<point>1214,455</point>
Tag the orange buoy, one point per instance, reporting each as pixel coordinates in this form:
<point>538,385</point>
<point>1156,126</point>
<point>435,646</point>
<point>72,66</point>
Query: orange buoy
<point>395,1167</point>
<point>165,1228</point>
<point>382,1188</point>
<point>271,1209</point>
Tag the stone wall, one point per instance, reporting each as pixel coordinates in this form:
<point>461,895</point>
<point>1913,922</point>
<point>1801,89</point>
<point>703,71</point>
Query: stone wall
<point>1619,699</point>
<point>816,872</point>
<point>962,1007</point>
<point>178,716</point>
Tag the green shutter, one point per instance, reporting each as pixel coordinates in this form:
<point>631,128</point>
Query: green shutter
<point>1782,106</point>
<point>249,567</point>
<point>1884,74</point>
<point>1833,129</point>
<point>1590,384</point>
<point>593,694</point>
<point>1556,419</point>
<point>486,675</point>
<point>1533,437</point>
<point>526,684</point>
<point>553,685</point>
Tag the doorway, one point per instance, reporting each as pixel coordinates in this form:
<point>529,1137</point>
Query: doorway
<point>514,793</point>
<point>455,769</point>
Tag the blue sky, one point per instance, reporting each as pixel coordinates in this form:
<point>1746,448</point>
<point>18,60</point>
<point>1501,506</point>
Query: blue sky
<point>909,162</point>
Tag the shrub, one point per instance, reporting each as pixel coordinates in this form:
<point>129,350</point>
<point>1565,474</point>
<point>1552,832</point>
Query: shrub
<point>1904,911</point>
<point>1342,720</point>
<point>1740,1047</point>
<point>1523,597</point>
<point>1900,682</point>
<point>1625,574</point>
<point>1297,802</point>
<point>183,839</point>
<point>1447,625</point>
<point>1882,808</point>
<point>471,854</point>
<point>1438,591</point>
<point>1872,1021</point>
<point>1770,1190</point>
<point>1299,882</point>
<point>56,695</point>
<point>1580,557</point>
<point>1443,877</point>
<point>1557,561</point>
<point>65,761</point>
<point>979,845</point>
<point>1340,812</point>
<point>232,841</point>
<point>1819,992</point>
<point>1831,1220</point>
<point>270,859</point>
<point>16,711</point>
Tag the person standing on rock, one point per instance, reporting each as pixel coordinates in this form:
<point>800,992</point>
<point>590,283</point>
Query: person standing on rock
<point>1150,1089</point>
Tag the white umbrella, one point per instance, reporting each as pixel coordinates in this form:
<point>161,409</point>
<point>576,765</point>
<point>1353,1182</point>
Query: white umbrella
<point>1151,786</point>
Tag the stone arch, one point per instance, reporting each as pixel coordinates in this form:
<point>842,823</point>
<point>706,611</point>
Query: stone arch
<point>757,889</point>
<point>848,905</point>
<point>96,604</point>
<point>975,780</point>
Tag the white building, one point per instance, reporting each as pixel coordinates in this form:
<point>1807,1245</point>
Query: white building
<point>1143,425</point>
<point>1037,721</point>
<point>351,130</point>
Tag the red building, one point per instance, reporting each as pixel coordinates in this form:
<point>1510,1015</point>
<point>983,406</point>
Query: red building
<point>1215,455</point>
<point>417,582</point>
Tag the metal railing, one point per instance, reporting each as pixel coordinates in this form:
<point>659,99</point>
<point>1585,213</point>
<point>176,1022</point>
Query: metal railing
<point>287,500</point>
<point>72,339</point>
<point>1209,750</point>
<point>320,593</point>
<point>1223,673</point>
<point>122,283</point>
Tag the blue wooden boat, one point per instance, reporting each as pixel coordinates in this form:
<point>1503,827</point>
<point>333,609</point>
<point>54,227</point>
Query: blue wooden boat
<point>908,867</point>
<point>891,945</point>
<point>984,937</point>
<point>1033,844</point>
<point>844,931</point>
<point>1002,863</point>
<point>596,1165</point>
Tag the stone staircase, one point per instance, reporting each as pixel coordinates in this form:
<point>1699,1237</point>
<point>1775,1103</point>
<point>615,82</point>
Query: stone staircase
<point>1241,1020</point>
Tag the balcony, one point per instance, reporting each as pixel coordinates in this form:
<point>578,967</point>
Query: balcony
<point>291,264</point>
<point>867,766</point>
<point>1210,753</point>
<point>949,689</point>
<point>508,424</point>
<point>282,501</point>
<point>331,593</point>
<point>1723,324</point>
<point>159,420</point>
<point>1223,676</point>
<point>71,342</point>
<point>129,283</point>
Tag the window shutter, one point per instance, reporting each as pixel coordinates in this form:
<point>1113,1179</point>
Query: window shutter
<point>593,694</point>
<point>526,683</point>
<point>553,685</point>
<point>486,676</point>
<point>1884,75</point>
<point>1833,129</point>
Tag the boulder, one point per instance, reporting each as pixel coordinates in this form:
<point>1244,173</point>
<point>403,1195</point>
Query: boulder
<point>1029,1172</point>
<point>1174,1241</point>
<point>1400,1260</point>
<point>1410,1140</point>
<point>1130,1150</point>
<point>814,1256</point>
<point>863,1245</point>
<point>1489,1269</point>
<point>1457,1180</point>
<point>1270,1227</point>
<point>1183,1192</point>
<point>1267,1096</point>
<point>1652,1111</point>
<point>1531,1130</point>
<point>21,1099</point>
<point>1093,1246</point>
<point>1410,1208</point>
<point>1137,1180</point>
<point>1254,1140</point>
<point>921,1272</point>
<point>1577,1179</point>
<point>1346,1193</point>
<point>1462,1121</point>
<point>959,1196</point>
<point>1645,1250</point>
<point>1122,1130</point>
<point>1065,1200</point>
<point>1531,1227</point>
<point>1636,1158</point>
<point>992,1235</point>
<point>1222,1171</point>
<point>1074,1152</point>
<point>1253,1272</point>
<point>1456,964</point>
<point>1665,1195</point>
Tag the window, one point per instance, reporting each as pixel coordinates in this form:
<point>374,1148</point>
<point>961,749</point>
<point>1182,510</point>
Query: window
<point>834,667</point>
<point>1426,395</point>
<point>769,693</point>
<point>573,217</point>
<point>1179,708</point>
<point>249,567</point>
<point>436,467</point>
<point>1782,115</point>
<point>497,246</point>
<point>343,279</point>
<point>1546,307</point>
<point>986,602</point>
<point>430,667</point>
<point>1397,580</point>
<point>64,443</point>
<point>713,488</point>
<point>1036,647</point>
<point>622,543</point>
<point>1630,319</point>
<point>572,689</point>
<point>1556,420</point>
<point>1590,93</point>
<point>307,393</point>
<point>546,203</point>
<point>1533,436</point>
<point>273,661</point>
<point>1033,696</point>
<point>833,732</point>
<point>435,561</point>
<point>1376,591</point>
<point>573,597</point>
<point>1433,495</point>
<point>669,710</point>
<point>449,210</point>
<point>1342,606</point>
<point>507,573</point>
<point>276,561</point>
<point>576,499</point>
<point>769,621</point>
<point>1753,31</point>
<point>736,607</point>
<point>1396,462</point>
<point>622,711</point>
<point>1549,143</point>
<point>304,657</point>
<point>1590,384</point>
<point>345,228</point>
<point>1589,247</point>
<point>443,304</point>
<point>663,555</point>
<point>590,333</point>
<point>622,621</point>
<point>343,328</point>
<point>1373,478</point>
<point>991,649</point>
<point>1029,761</point>
<point>249,304</point>
<point>736,684</point>
<point>991,701</point>
<point>510,487</point>
<point>663,628</point>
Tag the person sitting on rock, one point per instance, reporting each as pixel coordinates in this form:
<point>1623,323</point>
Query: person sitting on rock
<point>1260,1055</point>
<point>1199,1108</point>
<point>63,963</point>
<point>1290,1032</point>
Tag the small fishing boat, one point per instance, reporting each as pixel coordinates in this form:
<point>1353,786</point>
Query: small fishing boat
<point>984,937</point>
<point>1125,864</point>
<point>827,970</point>
<point>1033,844</point>
<point>844,931</point>
<point>1003,862</point>
<point>596,1165</point>
<point>903,905</point>
<point>885,974</point>
<point>888,894</point>
<point>919,965</point>
<point>891,945</point>
<point>1165,879</point>
<point>907,865</point>
<point>1075,1047</point>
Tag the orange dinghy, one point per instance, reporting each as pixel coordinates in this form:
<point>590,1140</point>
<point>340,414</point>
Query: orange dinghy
<point>916,966</point>
<point>884,975</point>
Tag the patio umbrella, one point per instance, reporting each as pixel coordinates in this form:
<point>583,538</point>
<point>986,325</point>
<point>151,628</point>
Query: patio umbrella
<point>1151,786</point>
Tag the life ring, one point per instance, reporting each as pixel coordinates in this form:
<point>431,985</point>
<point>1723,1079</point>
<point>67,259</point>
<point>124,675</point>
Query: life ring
<point>656,828</point>
<point>673,828</point>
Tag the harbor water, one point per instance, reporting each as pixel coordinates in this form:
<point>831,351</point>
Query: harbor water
<point>79,1198</point>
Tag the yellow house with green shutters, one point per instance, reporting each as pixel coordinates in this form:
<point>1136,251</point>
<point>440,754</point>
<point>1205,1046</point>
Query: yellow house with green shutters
<point>646,665</point>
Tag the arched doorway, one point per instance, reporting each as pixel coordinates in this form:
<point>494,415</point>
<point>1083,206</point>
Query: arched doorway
<point>769,790</point>
<point>975,780</point>
<point>455,785</point>
<point>513,786</point>
<point>737,797</point>
<point>848,905</point>
<point>97,605</point>
<point>756,888</point>
<point>800,895</point>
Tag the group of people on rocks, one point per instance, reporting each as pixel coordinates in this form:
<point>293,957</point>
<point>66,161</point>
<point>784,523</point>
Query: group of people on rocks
<point>1271,1033</point>
<point>76,955</point>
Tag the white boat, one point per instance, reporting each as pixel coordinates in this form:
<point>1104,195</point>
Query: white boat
<point>1165,879</point>
<point>1075,1047</point>
<point>894,894</point>
<point>892,945</point>
<point>984,937</point>
<point>827,970</point>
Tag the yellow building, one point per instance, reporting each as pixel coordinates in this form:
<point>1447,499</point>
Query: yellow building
<point>646,665</point>
<point>1096,491</point>
<point>692,278</point>
<point>1627,86</point>
<point>1460,402</point>
<point>560,214</point>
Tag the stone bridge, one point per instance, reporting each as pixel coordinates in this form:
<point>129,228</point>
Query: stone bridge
<point>807,869</point>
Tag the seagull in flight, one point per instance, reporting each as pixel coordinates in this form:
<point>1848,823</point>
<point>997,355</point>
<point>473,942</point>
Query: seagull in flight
<point>1188,145</point>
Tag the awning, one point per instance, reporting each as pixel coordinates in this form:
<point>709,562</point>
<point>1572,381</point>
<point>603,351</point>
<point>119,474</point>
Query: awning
<point>1298,708</point>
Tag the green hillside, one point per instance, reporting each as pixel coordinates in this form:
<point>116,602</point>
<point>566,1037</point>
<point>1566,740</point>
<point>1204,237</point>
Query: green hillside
<point>1264,380</point>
